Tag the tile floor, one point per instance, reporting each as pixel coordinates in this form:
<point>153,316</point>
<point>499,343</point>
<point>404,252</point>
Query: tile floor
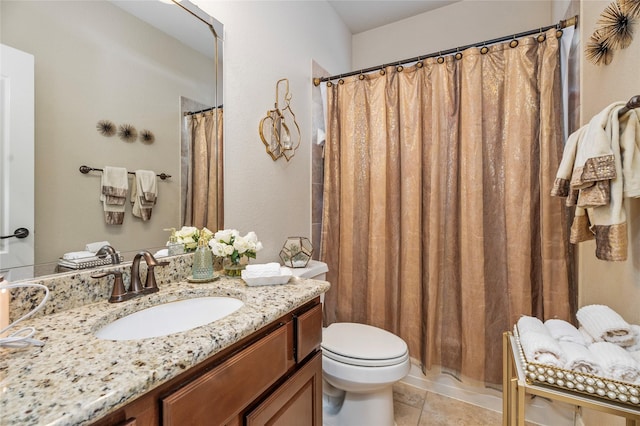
<point>417,407</point>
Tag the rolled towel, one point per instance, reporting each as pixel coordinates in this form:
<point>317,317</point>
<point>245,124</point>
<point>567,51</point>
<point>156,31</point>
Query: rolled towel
<point>94,247</point>
<point>636,355</point>
<point>262,270</point>
<point>526,324</point>
<point>564,331</point>
<point>603,323</point>
<point>616,363</point>
<point>635,345</point>
<point>542,349</point>
<point>579,358</point>
<point>589,339</point>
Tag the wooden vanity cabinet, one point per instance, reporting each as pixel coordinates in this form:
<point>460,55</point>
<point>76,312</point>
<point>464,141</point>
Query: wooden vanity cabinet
<point>272,377</point>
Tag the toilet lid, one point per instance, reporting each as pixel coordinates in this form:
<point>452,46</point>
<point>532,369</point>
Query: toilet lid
<point>361,344</point>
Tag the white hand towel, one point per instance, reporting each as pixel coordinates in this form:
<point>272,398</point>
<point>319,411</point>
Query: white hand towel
<point>579,358</point>
<point>114,185</point>
<point>603,323</point>
<point>144,194</point>
<point>616,363</point>
<point>77,255</point>
<point>563,331</point>
<point>262,270</point>
<point>589,339</point>
<point>542,349</point>
<point>527,324</point>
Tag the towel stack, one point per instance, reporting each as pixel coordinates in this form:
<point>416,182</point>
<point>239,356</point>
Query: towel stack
<point>262,270</point>
<point>144,194</point>
<point>113,193</point>
<point>538,344</point>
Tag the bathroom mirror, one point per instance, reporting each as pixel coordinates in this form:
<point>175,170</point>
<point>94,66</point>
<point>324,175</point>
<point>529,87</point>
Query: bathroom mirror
<point>138,63</point>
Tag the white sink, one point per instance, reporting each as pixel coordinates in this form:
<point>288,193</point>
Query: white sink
<point>168,318</point>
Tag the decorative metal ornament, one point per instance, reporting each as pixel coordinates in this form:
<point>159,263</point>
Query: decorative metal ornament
<point>275,133</point>
<point>616,26</point>
<point>147,136</point>
<point>296,252</point>
<point>597,50</point>
<point>127,133</point>
<point>106,128</point>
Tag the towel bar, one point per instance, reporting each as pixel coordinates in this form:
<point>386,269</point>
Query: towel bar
<point>87,169</point>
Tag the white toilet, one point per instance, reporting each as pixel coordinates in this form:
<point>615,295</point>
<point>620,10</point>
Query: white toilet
<point>360,364</point>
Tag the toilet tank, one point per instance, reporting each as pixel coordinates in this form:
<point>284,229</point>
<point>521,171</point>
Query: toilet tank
<point>314,270</point>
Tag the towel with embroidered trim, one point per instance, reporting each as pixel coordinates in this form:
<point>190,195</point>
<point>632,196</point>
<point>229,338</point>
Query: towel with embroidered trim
<point>144,194</point>
<point>114,185</point>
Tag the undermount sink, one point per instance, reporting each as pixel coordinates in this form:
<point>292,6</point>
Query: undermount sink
<point>169,318</point>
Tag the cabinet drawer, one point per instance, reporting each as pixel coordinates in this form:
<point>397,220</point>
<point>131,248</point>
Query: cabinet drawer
<point>297,402</point>
<point>224,391</point>
<point>308,332</point>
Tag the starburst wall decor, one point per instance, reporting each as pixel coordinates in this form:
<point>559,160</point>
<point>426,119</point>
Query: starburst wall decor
<point>614,31</point>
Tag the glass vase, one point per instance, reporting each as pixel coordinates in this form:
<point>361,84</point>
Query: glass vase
<point>233,269</point>
<point>202,263</point>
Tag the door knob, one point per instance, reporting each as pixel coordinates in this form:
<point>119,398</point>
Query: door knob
<point>18,233</point>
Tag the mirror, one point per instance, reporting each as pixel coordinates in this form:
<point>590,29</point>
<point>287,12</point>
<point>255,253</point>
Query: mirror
<point>137,63</point>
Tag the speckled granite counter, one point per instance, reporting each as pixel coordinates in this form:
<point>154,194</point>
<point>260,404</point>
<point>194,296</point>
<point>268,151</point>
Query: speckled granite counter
<point>76,378</point>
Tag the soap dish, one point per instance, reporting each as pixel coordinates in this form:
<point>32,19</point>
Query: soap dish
<point>202,280</point>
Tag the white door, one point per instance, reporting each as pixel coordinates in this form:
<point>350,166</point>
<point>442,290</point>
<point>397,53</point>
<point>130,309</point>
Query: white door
<point>16,157</point>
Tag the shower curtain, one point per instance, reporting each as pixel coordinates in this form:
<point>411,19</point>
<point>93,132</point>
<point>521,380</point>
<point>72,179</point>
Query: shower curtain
<point>204,189</point>
<point>437,220</point>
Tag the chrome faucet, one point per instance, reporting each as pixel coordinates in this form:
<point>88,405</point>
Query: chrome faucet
<point>150,285</point>
<point>107,250</point>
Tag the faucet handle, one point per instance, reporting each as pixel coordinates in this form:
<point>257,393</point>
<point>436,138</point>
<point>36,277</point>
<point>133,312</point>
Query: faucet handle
<point>118,292</point>
<point>150,284</point>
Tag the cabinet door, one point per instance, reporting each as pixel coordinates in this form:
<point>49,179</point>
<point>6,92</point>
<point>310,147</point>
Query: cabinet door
<point>298,402</point>
<point>216,396</point>
<point>308,332</point>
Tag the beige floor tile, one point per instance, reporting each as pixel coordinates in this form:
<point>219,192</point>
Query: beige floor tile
<point>409,395</point>
<point>442,411</point>
<point>406,415</point>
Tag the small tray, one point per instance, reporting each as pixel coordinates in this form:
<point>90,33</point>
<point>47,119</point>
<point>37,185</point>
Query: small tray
<point>202,280</point>
<point>283,278</point>
<point>578,382</point>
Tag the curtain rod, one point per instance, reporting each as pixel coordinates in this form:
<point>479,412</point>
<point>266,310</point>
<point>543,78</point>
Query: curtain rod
<point>562,24</point>
<point>202,110</point>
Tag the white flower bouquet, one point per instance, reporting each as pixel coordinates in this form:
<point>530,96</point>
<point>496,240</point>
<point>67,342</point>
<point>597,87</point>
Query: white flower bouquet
<point>189,236</point>
<point>228,243</point>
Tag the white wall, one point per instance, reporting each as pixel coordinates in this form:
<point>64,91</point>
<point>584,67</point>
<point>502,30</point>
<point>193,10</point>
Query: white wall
<point>264,42</point>
<point>458,24</point>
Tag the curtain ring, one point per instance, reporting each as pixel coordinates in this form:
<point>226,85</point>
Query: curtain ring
<point>340,80</point>
<point>399,68</point>
<point>513,43</point>
<point>458,55</point>
<point>419,63</point>
<point>440,58</point>
<point>329,83</point>
<point>484,50</point>
<point>559,33</point>
<point>541,37</point>
<point>361,76</point>
<point>382,70</point>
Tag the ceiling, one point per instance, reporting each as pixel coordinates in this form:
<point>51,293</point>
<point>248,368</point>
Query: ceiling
<point>363,15</point>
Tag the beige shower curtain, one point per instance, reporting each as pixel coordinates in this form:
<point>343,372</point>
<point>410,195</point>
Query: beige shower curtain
<point>205,189</point>
<point>437,220</point>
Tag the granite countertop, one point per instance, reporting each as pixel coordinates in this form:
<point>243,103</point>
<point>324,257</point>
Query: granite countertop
<point>76,378</point>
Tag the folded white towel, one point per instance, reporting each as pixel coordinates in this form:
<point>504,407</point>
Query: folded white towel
<point>542,349</point>
<point>526,324</point>
<point>262,270</point>
<point>564,331</point>
<point>579,358</point>
<point>161,253</point>
<point>589,339</point>
<point>78,255</point>
<point>94,247</point>
<point>114,185</point>
<point>603,323</point>
<point>616,363</point>
<point>144,194</point>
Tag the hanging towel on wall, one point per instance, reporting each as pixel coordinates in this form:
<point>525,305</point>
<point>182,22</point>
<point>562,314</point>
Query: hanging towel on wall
<point>599,168</point>
<point>113,193</point>
<point>144,194</point>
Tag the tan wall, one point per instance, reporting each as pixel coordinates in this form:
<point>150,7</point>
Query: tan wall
<point>616,284</point>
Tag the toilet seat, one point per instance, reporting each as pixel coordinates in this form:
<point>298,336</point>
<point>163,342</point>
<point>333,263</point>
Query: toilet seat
<point>363,345</point>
